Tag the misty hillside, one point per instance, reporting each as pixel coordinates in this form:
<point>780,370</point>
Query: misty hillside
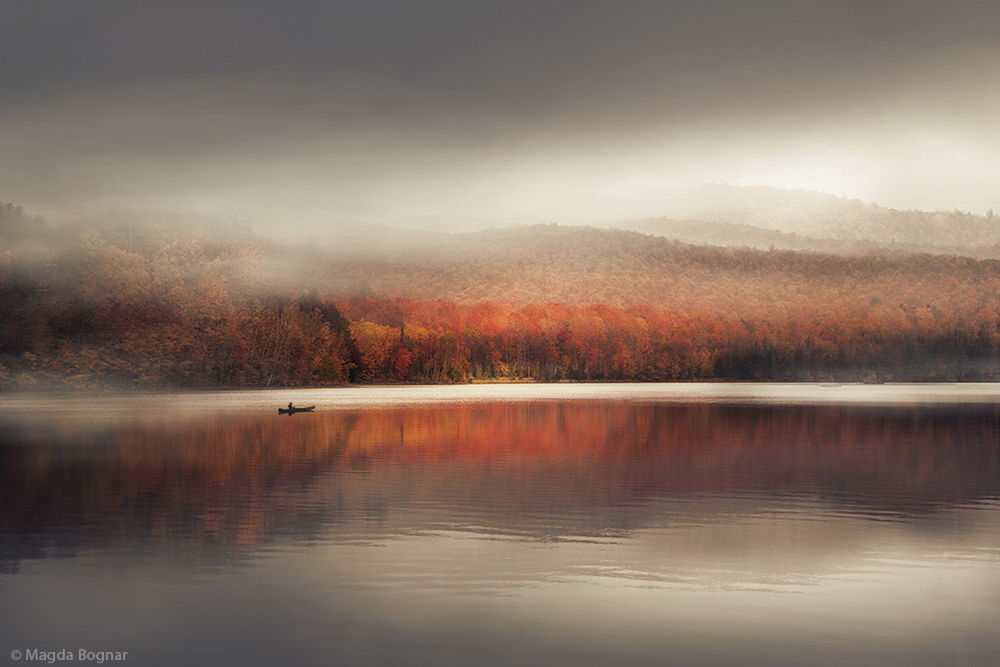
<point>586,265</point>
<point>739,235</point>
<point>126,302</point>
<point>728,216</point>
<point>827,218</point>
<point>535,264</point>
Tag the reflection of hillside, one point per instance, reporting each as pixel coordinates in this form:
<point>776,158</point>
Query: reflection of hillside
<point>229,485</point>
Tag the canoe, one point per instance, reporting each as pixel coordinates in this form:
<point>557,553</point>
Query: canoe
<point>292,411</point>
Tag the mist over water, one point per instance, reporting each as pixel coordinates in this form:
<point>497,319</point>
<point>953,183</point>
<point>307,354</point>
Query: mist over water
<point>569,524</point>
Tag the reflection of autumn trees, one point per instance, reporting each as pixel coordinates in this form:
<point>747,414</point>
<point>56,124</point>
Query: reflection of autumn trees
<point>155,307</point>
<point>248,480</point>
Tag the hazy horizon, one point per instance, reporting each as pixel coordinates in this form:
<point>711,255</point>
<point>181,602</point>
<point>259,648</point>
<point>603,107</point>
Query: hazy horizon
<point>384,112</point>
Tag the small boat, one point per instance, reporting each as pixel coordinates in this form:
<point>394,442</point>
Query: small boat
<point>291,410</point>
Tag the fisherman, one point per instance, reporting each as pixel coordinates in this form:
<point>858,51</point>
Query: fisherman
<point>289,406</point>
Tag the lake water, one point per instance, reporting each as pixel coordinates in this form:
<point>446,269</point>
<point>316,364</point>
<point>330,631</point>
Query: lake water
<point>587,524</point>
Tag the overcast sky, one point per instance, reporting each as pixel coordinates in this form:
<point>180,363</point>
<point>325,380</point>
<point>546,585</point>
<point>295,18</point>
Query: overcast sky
<point>323,112</point>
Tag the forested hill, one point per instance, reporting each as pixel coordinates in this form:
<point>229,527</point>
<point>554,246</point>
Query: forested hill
<point>158,305</point>
<point>583,265</point>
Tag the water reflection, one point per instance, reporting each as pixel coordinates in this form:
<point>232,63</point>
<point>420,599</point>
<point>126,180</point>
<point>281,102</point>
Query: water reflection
<point>551,502</point>
<point>548,471</point>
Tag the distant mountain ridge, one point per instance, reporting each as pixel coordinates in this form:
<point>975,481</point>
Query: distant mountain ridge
<point>805,220</point>
<point>739,235</point>
<point>724,216</point>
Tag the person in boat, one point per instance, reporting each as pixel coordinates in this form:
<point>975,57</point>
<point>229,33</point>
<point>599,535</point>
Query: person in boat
<point>290,405</point>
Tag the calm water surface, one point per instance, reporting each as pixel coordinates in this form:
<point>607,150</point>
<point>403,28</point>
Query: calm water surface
<point>529,524</point>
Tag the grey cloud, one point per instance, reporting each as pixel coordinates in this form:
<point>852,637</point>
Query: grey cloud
<point>120,100</point>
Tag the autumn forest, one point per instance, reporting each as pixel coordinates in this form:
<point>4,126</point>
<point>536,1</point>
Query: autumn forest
<point>127,303</point>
